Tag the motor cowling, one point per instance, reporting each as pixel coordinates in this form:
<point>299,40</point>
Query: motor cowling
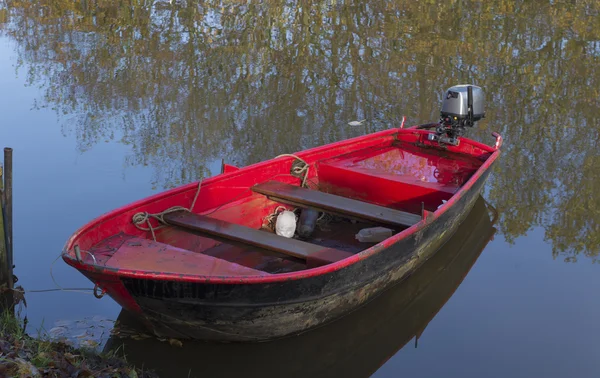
<point>463,105</point>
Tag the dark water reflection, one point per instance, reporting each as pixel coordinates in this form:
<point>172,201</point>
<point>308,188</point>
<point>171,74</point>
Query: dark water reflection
<point>355,346</point>
<point>186,83</point>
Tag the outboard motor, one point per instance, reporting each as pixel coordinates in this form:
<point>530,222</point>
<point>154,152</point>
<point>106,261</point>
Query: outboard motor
<point>463,105</point>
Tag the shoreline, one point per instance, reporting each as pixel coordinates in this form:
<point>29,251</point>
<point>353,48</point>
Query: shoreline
<point>22,355</point>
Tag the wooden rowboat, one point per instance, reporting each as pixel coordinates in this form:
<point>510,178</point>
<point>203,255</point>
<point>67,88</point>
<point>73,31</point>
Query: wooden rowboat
<point>354,346</point>
<point>202,261</point>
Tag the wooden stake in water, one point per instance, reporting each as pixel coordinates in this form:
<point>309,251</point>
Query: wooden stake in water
<point>6,261</point>
<point>8,204</point>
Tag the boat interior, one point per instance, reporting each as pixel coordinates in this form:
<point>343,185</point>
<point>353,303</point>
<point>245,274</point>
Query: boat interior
<point>389,182</point>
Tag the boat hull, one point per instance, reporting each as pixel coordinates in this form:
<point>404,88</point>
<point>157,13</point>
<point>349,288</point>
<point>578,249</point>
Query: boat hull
<point>388,322</point>
<point>251,312</point>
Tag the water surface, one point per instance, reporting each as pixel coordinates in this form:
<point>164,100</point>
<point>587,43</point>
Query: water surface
<point>105,102</point>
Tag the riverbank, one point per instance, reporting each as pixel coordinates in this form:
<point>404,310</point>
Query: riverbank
<point>24,356</point>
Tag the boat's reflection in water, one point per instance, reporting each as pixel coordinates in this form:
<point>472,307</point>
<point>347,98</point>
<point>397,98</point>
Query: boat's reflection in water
<point>354,346</point>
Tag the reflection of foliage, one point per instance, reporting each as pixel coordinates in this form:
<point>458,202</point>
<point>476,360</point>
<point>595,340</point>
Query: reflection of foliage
<point>187,82</point>
<point>575,225</point>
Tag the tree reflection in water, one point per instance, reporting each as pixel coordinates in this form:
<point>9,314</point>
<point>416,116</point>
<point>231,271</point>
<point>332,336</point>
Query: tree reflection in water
<point>186,83</point>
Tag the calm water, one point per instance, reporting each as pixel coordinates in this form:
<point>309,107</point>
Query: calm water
<point>106,102</point>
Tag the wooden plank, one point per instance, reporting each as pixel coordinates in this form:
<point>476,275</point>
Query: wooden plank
<point>150,256</point>
<point>335,204</point>
<point>250,236</point>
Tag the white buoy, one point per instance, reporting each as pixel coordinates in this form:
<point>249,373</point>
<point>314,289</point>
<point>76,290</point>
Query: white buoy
<point>286,224</point>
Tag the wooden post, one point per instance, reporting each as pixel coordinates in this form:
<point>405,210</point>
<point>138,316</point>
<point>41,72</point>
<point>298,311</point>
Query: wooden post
<point>8,203</point>
<point>6,260</point>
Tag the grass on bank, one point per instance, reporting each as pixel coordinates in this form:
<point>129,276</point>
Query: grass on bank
<point>25,356</point>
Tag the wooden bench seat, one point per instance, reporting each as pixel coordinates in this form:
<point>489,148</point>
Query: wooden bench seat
<point>331,203</point>
<point>313,254</point>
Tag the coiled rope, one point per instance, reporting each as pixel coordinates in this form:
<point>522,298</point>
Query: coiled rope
<point>298,170</point>
<point>141,218</point>
<point>271,219</point>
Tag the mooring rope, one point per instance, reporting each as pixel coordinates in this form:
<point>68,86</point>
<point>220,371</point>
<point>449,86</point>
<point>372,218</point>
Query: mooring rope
<point>83,290</point>
<point>141,218</point>
<point>144,218</point>
<point>299,170</point>
<point>60,288</point>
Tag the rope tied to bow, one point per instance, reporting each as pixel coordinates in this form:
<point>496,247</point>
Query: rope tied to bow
<point>144,218</point>
<point>299,170</point>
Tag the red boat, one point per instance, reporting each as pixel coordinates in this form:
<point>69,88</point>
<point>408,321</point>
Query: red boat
<point>402,314</point>
<point>209,260</point>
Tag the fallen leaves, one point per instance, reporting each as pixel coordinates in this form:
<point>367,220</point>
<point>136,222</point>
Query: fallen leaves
<point>89,332</point>
<point>24,356</point>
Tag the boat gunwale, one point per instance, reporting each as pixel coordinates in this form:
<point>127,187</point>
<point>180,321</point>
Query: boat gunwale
<point>68,257</point>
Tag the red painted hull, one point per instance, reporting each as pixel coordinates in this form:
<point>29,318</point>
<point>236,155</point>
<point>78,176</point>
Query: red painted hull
<point>194,285</point>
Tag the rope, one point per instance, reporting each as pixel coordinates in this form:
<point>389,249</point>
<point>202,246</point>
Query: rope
<point>82,290</point>
<point>144,218</point>
<point>138,219</point>
<point>60,288</point>
<point>323,221</point>
<point>299,170</point>
<point>270,219</point>
<point>141,218</point>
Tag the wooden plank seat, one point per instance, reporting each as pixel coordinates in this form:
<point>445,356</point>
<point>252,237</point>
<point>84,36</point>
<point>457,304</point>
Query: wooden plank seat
<point>331,203</point>
<point>147,255</point>
<point>314,255</point>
